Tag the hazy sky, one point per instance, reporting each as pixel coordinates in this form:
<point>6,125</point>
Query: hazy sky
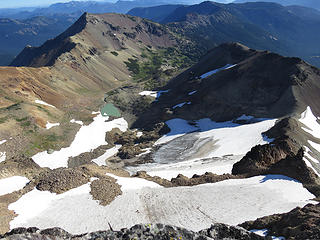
<point>33,3</point>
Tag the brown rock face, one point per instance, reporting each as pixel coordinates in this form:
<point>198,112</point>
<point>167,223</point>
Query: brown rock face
<point>300,223</point>
<point>61,180</point>
<point>105,190</point>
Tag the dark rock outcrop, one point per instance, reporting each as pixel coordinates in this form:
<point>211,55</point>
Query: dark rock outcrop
<point>142,231</point>
<point>182,180</point>
<point>300,223</point>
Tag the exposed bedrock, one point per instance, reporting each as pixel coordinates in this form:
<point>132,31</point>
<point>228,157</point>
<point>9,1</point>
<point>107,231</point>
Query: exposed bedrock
<point>300,223</point>
<point>145,231</point>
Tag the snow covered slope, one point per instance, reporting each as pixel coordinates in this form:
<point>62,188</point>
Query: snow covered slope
<point>231,202</point>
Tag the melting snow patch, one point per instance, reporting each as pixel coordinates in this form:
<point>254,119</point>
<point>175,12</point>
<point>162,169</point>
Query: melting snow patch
<point>245,118</point>
<point>155,94</point>
<point>132,183</point>
<point>2,156</point>
<point>310,121</point>
<point>3,141</point>
<point>194,208</point>
<point>264,233</point>
<point>87,139</point>
<point>12,184</point>
<point>51,125</point>
<point>181,105</point>
<point>228,66</point>
<point>191,93</point>
<point>101,161</point>
<point>139,134</point>
<point>77,122</point>
<point>44,103</point>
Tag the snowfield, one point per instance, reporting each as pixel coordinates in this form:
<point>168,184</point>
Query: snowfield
<point>77,122</point>
<point>228,66</point>
<point>155,94</point>
<point>87,139</point>
<point>2,156</point>
<point>101,161</point>
<point>313,128</point>
<point>195,208</point>
<point>204,146</point>
<point>44,103</point>
<point>12,184</point>
<point>51,125</point>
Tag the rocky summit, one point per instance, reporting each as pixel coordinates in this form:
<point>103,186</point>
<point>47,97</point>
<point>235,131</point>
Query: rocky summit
<point>124,128</point>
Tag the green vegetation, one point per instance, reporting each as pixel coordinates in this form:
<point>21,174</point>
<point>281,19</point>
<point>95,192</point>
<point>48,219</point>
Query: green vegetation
<point>115,53</point>
<point>157,66</point>
<point>3,119</point>
<point>44,142</point>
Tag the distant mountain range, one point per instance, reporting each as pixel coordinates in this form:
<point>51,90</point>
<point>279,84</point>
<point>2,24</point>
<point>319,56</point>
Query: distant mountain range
<point>33,26</point>
<point>307,3</point>
<point>291,31</point>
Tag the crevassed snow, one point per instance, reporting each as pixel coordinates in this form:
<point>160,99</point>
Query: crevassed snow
<point>193,92</point>
<point>77,122</point>
<point>308,119</point>
<point>231,202</point>
<point>155,94</point>
<point>2,156</point>
<point>87,139</point>
<point>3,141</point>
<point>101,161</point>
<point>204,146</point>
<point>228,66</point>
<point>51,125</point>
<point>188,168</point>
<point>12,184</point>
<point>181,105</point>
<point>43,103</point>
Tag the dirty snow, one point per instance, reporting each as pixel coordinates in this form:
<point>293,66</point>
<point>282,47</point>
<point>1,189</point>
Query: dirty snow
<point>12,184</point>
<point>87,139</point>
<point>203,146</point>
<point>44,103</point>
<point>51,125</point>
<point>181,105</point>
<point>77,122</point>
<point>231,202</point>
<point>228,66</point>
<point>101,161</point>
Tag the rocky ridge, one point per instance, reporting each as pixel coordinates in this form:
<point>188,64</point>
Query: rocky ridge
<point>147,231</point>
